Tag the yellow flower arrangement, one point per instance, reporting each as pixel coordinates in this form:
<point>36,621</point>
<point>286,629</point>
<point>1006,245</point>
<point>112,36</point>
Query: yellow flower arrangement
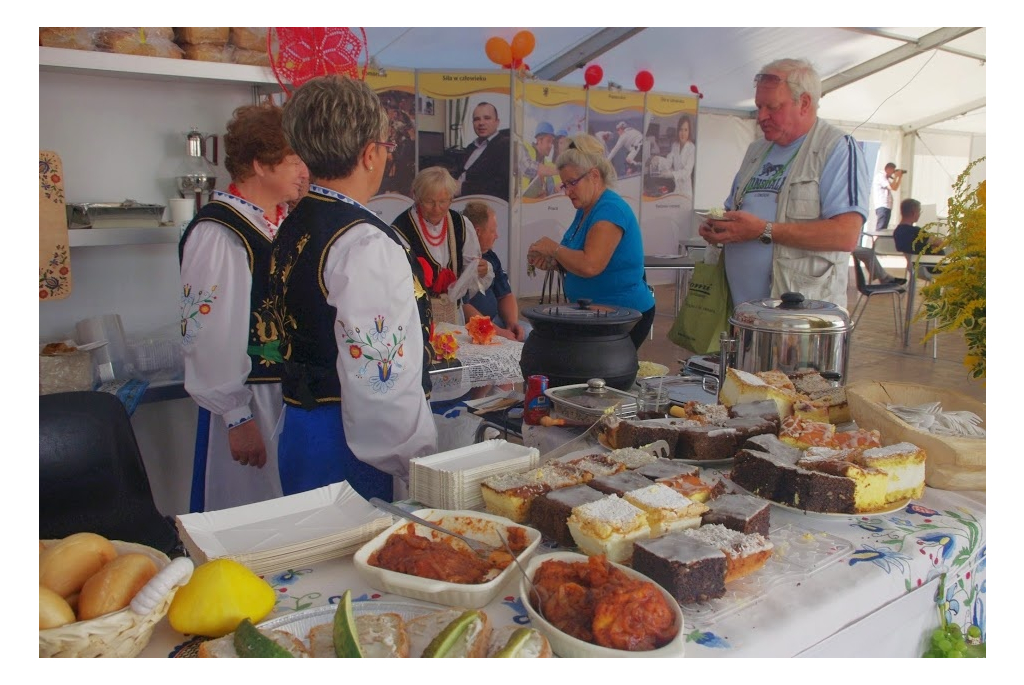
<point>956,297</point>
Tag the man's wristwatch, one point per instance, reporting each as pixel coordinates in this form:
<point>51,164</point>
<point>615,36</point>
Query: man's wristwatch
<point>766,235</point>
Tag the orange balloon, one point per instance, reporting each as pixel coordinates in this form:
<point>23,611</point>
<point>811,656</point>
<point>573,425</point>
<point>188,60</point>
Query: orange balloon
<point>523,44</point>
<point>498,51</point>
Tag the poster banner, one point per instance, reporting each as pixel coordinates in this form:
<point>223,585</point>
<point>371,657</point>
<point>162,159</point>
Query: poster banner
<point>670,154</point>
<point>463,125</point>
<point>617,119</point>
<point>397,92</point>
<point>551,114</point>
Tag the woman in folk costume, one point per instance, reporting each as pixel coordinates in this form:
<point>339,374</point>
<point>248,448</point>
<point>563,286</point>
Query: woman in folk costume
<point>224,256</point>
<point>348,306</point>
<point>444,242</point>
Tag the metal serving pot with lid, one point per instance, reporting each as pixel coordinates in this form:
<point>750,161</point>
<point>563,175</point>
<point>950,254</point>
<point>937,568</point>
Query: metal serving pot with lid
<point>788,334</point>
<point>572,343</point>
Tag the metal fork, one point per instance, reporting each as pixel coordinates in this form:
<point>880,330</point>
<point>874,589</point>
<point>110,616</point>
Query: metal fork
<point>482,549</point>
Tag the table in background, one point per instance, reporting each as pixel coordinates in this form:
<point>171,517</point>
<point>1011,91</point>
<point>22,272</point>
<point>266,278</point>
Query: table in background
<point>682,265</point>
<point>878,600</point>
<point>912,266</point>
<point>496,363</point>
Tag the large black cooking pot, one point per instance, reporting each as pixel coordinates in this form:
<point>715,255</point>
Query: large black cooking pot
<point>572,343</point>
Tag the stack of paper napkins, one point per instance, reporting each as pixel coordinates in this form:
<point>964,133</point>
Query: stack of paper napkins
<point>451,480</point>
<point>286,532</point>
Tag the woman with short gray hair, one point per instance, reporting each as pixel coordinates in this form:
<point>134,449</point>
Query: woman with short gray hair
<point>444,242</point>
<point>347,305</point>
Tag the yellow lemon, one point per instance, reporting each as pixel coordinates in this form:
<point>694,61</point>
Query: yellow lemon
<point>218,596</point>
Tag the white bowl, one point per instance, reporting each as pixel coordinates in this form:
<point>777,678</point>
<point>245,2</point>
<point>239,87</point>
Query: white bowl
<point>473,524</point>
<point>564,645</point>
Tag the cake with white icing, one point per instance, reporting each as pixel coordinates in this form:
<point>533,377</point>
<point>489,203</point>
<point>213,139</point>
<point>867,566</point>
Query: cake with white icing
<point>608,526</point>
<point>689,569</point>
<point>744,552</point>
<point>666,509</point>
<point>904,462</point>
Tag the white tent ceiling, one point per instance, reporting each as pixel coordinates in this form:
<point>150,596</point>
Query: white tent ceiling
<point>907,83</point>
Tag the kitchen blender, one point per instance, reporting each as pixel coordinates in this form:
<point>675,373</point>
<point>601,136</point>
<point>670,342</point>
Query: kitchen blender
<point>197,174</point>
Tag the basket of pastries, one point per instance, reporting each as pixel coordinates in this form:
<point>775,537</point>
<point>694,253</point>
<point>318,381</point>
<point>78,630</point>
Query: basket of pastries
<point>103,598</point>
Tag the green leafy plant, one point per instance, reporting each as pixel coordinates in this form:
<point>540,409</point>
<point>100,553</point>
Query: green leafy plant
<point>955,299</point>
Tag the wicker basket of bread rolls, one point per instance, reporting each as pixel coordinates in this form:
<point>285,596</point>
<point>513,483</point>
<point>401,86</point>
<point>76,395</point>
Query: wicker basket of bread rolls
<point>126,632</point>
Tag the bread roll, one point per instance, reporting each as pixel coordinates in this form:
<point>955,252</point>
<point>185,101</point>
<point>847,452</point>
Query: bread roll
<point>208,52</point>
<point>199,35</point>
<point>256,58</point>
<point>135,41</point>
<point>68,37</point>
<point>114,586</point>
<point>66,565</point>
<point>249,38</point>
<point>53,610</point>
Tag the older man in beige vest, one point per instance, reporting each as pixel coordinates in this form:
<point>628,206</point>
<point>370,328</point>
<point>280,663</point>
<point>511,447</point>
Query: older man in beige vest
<point>799,200</point>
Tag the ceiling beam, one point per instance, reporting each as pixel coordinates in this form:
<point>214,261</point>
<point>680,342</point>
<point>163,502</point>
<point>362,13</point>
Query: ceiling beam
<point>925,43</point>
<point>577,56</point>
<point>943,116</point>
<point>907,39</point>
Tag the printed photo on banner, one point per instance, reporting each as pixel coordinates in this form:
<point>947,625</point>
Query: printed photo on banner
<point>546,134</point>
<point>670,154</point>
<point>401,164</point>
<point>623,140</point>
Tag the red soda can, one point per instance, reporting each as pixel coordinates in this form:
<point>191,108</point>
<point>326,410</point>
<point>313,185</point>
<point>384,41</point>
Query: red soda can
<point>536,404</point>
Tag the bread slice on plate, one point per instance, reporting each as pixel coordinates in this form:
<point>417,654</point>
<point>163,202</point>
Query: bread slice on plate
<point>380,636</point>
<point>471,640</point>
<point>507,642</point>
<point>225,646</point>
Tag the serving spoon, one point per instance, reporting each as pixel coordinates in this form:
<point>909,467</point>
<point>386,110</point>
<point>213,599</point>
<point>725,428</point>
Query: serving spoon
<point>482,549</point>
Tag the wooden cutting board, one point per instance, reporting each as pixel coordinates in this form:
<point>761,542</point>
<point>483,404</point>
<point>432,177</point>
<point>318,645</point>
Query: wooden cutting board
<point>54,253</point>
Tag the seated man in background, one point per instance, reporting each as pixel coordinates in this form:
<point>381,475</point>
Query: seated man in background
<point>908,237</point>
<point>497,301</point>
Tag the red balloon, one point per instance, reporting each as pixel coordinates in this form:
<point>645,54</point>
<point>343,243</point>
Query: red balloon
<point>593,75</point>
<point>644,81</point>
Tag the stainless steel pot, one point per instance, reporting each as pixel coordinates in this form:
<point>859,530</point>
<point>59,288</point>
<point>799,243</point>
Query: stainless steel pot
<point>788,334</point>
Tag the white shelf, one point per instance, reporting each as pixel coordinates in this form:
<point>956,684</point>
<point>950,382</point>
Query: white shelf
<point>151,68</point>
<point>107,237</point>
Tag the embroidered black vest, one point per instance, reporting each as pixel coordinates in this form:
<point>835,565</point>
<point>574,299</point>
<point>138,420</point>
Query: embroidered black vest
<point>298,305</point>
<point>262,339</point>
<point>405,224</point>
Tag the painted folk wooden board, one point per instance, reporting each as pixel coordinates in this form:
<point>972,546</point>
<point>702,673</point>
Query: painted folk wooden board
<point>54,255</point>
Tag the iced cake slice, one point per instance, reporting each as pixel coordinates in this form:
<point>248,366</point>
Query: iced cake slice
<point>741,513</point>
<point>608,526</point>
<point>904,462</point>
<point>690,569</point>
<point>550,512</point>
<point>870,484</point>
<point>745,552</point>
<point>666,509</point>
<point>741,386</point>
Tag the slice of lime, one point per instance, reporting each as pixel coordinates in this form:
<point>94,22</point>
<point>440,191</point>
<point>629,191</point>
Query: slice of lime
<point>448,638</point>
<point>251,643</point>
<point>346,636</point>
<point>516,642</point>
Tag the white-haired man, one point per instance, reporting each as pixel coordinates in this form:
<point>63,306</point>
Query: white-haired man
<point>799,200</point>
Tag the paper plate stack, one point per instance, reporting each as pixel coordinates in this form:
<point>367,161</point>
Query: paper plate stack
<point>451,480</point>
<point>267,537</point>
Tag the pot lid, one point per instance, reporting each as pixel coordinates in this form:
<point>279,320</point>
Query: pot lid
<point>584,313</point>
<point>594,397</point>
<point>791,313</point>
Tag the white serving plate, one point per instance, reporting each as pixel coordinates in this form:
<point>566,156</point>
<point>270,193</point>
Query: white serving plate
<point>482,527</point>
<point>564,645</point>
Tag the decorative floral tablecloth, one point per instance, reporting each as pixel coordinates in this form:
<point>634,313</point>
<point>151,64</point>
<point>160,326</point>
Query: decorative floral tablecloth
<point>887,558</point>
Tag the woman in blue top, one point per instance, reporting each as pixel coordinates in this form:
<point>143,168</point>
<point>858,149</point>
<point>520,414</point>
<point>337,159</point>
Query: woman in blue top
<point>602,252</point>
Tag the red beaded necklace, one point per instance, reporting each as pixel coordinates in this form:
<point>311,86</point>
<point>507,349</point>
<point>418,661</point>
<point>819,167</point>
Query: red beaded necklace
<point>432,239</point>
<point>272,224</point>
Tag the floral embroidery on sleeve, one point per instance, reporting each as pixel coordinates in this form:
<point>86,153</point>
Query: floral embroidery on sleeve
<point>381,350</point>
<point>194,304</point>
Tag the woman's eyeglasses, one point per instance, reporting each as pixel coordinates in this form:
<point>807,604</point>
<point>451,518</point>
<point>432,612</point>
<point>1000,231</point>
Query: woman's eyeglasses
<point>389,146</point>
<point>436,203</point>
<point>572,184</point>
